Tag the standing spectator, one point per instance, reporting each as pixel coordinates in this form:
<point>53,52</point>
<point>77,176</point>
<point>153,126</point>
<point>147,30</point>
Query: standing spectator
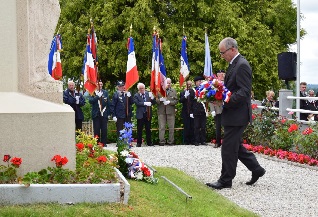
<point>76,100</point>
<point>269,100</point>
<point>100,111</point>
<point>216,108</point>
<point>311,104</point>
<point>186,98</point>
<point>122,106</point>
<point>167,113</point>
<point>144,101</point>
<point>303,103</point>
<point>198,112</point>
<point>236,115</point>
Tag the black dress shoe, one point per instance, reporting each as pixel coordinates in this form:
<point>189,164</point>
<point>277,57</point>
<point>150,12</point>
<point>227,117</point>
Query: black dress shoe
<point>203,143</point>
<point>218,185</point>
<point>138,145</point>
<point>255,176</point>
<point>196,144</point>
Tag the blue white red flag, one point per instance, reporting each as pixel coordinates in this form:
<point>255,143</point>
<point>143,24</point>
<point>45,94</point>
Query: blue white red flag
<point>88,70</point>
<point>54,60</point>
<point>162,72</point>
<point>132,73</point>
<point>184,69</point>
<point>207,62</point>
<point>154,65</point>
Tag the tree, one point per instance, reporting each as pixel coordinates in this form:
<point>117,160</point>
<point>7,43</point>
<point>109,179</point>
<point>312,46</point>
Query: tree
<point>262,28</point>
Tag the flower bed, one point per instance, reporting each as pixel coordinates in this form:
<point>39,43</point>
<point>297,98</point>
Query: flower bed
<point>65,193</point>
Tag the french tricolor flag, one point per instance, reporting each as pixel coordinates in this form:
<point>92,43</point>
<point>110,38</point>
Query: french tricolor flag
<point>88,70</point>
<point>154,65</point>
<point>132,73</point>
<point>54,60</point>
<point>184,70</point>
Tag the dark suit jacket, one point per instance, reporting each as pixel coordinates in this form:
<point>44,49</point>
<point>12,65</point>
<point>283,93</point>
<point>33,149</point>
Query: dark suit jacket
<point>119,105</point>
<point>139,102</point>
<point>69,99</point>
<point>104,100</point>
<point>186,103</point>
<point>238,79</point>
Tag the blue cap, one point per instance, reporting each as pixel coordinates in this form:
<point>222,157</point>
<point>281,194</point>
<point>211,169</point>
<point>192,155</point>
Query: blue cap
<point>120,83</point>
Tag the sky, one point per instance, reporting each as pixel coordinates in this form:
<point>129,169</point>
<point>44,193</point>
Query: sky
<point>309,43</point>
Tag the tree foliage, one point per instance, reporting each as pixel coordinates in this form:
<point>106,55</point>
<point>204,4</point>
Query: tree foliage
<point>262,28</point>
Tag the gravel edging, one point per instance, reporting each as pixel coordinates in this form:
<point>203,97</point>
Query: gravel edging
<point>287,188</point>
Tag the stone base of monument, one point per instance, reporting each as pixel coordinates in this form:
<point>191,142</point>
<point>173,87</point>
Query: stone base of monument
<point>14,194</point>
<point>36,130</point>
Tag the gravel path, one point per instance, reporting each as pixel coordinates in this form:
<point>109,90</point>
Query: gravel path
<point>285,190</point>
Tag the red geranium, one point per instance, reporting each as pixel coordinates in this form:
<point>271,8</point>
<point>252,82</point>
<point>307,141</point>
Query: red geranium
<point>283,120</point>
<point>59,161</point>
<point>16,161</point>
<point>101,159</point>
<point>90,146</point>
<point>6,158</point>
<point>307,131</point>
<point>293,127</point>
<point>146,171</point>
<point>80,146</point>
<point>254,106</point>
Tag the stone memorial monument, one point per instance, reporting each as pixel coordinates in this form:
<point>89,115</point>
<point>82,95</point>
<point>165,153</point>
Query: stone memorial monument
<point>35,125</point>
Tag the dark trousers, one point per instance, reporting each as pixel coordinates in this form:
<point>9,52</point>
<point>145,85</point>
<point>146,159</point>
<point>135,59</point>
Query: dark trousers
<point>140,125</point>
<point>188,130</point>
<point>233,150</point>
<point>200,128</point>
<point>78,124</point>
<point>217,119</point>
<point>120,124</point>
<point>100,128</point>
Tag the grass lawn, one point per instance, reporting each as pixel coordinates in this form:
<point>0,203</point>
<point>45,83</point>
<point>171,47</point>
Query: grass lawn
<point>146,200</point>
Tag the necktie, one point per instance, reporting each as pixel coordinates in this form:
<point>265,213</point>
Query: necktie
<point>144,97</point>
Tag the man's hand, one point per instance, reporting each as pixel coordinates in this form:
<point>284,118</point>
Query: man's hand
<point>151,95</point>
<point>191,116</point>
<point>166,102</point>
<point>77,99</point>
<point>186,93</point>
<point>115,119</point>
<point>128,94</point>
<point>162,99</point>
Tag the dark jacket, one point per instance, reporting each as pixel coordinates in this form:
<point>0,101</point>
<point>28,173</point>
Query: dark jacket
<point>69,99</point>
<point>187,103</point>
<point>141,108</point>
<point>104,101</point>
<point>120,103</point>
<point>238,79</point>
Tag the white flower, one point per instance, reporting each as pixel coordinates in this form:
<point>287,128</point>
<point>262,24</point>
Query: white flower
<point>139,175</point>
<point>124,153</point>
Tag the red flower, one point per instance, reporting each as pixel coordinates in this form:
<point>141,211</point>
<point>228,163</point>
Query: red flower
<point>101,159</point>
<point>59,161</point>
<point>218,95</point>
<point>253,117</point>
<point>292,128</point>
<point>207,85</point>
<point>16,161</point>
<point>283,120</point>
<point>90,146</point>
<point>254,106</point>
<point>201,94</point>
<point>80,146</point>
<point>146,171</point>
<point>6,158</point>
<point>307,131</point>
<point>134,155</point>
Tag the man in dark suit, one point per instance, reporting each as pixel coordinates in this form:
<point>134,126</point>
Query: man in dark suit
<point>100,110</point>
<point>303,103</point>
<point>236,115</point>
<point>186,98</point>
<point>122,106</point>
<point>76,100</point>
<point>143,101</point>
